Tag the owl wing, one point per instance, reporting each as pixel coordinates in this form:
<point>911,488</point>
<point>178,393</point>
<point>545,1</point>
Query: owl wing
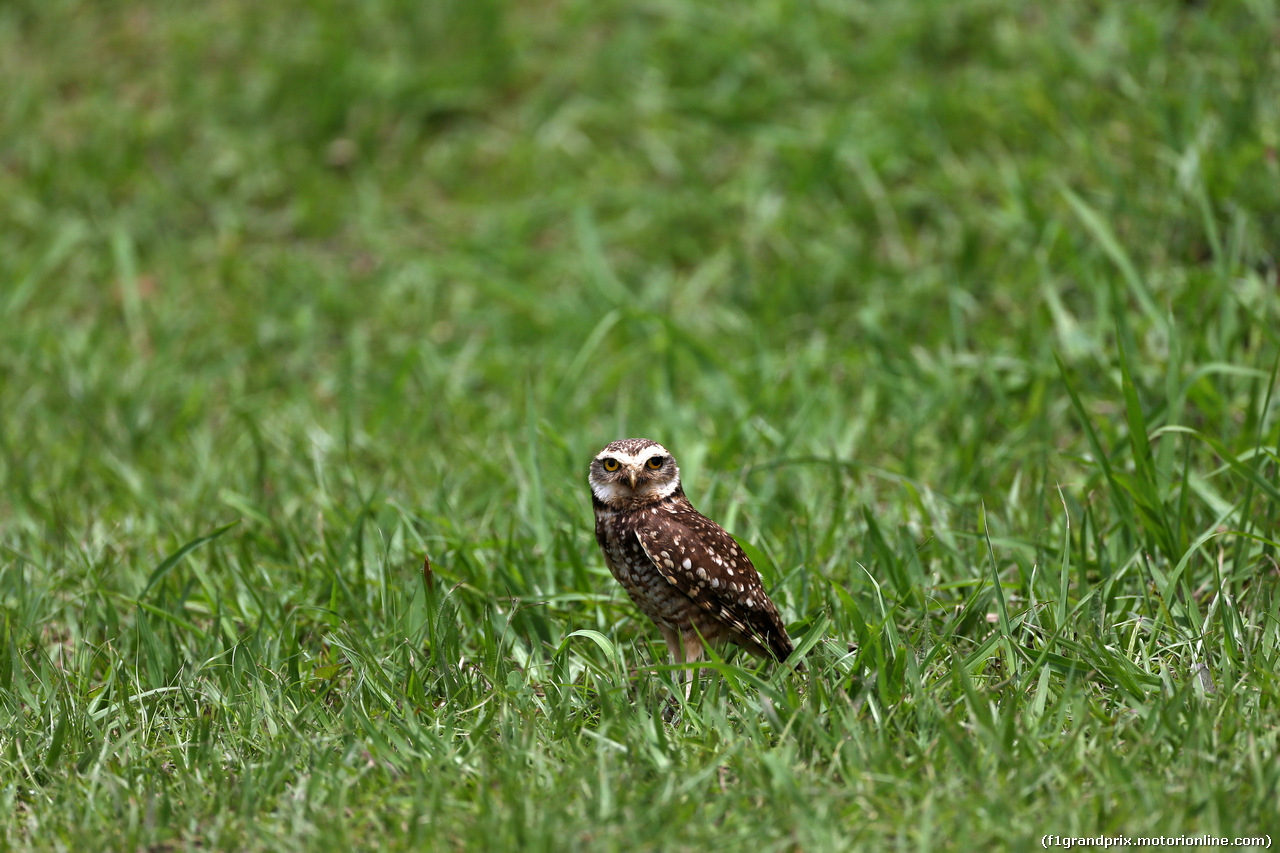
<point>699,558</point>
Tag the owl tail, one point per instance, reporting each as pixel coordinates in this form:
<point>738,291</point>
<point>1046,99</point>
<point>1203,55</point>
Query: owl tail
<point>780,647</point>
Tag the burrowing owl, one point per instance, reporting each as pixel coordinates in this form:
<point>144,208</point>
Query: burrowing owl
<point>681,568</point>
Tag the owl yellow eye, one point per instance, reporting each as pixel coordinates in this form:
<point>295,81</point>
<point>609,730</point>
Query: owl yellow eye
<point>655,463</point>
<point>611,464</point>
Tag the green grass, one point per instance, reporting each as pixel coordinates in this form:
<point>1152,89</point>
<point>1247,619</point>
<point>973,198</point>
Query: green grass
<point>964,317</point>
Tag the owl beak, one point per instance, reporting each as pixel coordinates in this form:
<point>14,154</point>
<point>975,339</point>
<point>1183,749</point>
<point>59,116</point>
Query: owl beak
<point>631,478</point>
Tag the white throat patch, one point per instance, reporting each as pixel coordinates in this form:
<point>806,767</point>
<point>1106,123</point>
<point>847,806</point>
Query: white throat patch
<point>666,490</point>
<point>610,492</point>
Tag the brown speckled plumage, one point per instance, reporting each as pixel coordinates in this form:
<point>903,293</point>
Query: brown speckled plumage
<point>680,568</point>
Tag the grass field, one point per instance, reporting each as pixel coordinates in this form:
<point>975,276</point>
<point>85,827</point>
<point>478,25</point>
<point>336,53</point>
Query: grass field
<point>963,316</point>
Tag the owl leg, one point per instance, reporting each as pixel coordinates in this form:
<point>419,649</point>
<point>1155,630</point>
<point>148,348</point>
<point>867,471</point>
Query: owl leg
<point>683,648</point>
<point>676,650</point>
<point>692,652</point>
<point>672,637</point>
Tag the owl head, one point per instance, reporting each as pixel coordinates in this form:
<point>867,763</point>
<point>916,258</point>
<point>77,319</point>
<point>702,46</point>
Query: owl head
<point>633,471</point>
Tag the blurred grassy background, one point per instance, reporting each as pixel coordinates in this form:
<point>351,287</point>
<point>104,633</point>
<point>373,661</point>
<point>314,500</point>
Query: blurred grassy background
<point>369,280</point>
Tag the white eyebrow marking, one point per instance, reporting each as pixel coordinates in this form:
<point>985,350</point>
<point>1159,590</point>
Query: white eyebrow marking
<point>621,456</point>
<point>654,449</point>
